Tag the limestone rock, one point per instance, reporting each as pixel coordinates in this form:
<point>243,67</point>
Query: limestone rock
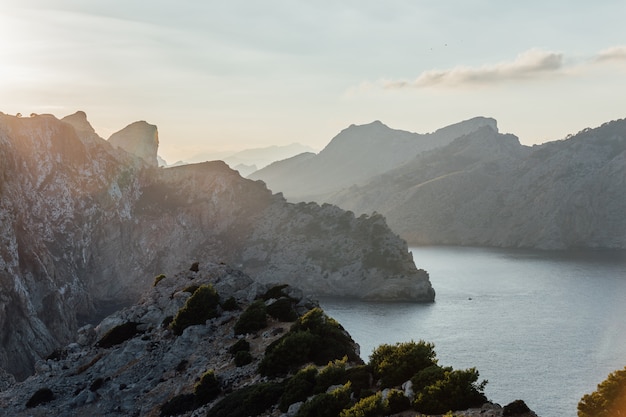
<point>84,228</point>
<point>140,139</point>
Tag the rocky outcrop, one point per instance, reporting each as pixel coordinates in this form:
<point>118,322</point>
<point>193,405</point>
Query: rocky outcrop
<point>133,363</point>
<point>140,139</point>
<point>138,373</point>
<point>83,225</point>
<point>486,189</point>
<point>355,155</point>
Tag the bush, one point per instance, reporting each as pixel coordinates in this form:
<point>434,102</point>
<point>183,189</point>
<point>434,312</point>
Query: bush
<point>458,390</point>
<point>327,404</point>
<point>396,402</point>
<point>428,376</point>
<point>207,389</point>
<point>287,353</point>
<point>282,309</point>
<point>314,337</point>
<point>396,364</point>
<point>254,318</point>
<point>242,358</point>
<point>332,374</point>
<point>371,406</point>
<point>118,334</point>
<point>299,387</point>
<point>230,304</point>
<point>360,376</point>
<point>608,400</point>
<point>333,342</point>
<point>41,396</point>
<point>178,405</point>
<point>201,306</point>
<point>158,279</point>
<point>249,401</point>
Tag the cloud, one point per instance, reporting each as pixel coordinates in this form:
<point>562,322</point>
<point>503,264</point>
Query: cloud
<point>528,65</point>
<point>615,53</point>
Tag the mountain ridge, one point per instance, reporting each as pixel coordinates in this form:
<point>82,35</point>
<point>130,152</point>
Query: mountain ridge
<point>354,155</point>
<point>84,224</point>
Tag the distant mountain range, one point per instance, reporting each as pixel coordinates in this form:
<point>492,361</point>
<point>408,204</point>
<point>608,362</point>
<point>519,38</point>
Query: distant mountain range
<point>248,161</point>
<point>354,156</point>
<point>468,184</point>
<point>86,224</point>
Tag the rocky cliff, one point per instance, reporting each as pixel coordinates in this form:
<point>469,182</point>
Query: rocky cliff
<point>355,155</point>
<point>83,225</point>
<point>487,189</point>
<point>211,341</point>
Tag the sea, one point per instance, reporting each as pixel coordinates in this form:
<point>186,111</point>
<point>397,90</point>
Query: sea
<point>545,327</point>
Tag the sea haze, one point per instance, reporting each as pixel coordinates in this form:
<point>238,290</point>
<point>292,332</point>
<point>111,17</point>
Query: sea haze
<point>545,327</point>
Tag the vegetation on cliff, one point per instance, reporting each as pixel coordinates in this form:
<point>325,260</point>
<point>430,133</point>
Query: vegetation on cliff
<point>609,400</point>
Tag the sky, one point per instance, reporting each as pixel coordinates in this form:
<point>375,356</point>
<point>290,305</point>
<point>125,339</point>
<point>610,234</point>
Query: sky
<point>232,75</point>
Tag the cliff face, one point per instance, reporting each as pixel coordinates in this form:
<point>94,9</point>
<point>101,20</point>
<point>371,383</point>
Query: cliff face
<point>487,189</point>
<point>84,226</point>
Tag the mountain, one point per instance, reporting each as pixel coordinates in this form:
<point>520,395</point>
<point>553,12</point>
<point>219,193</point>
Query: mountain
<point>249,160</point>
<point>485,188</point>
<point>85,225</point>
<point>247,349</point>
<point>355,155</point>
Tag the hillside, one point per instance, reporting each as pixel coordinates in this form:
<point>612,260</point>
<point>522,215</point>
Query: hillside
<point>355,155</point>
<point>85,225</point>
<point>486,189</point>
<point>211,341</point>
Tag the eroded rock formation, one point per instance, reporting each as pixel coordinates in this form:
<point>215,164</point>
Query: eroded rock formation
<point>84,225</point>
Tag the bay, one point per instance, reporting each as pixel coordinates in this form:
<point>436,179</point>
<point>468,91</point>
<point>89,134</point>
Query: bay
<point>541,326</point>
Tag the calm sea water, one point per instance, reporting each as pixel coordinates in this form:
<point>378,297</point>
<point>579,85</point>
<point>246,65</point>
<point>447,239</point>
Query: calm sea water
<point>544,327</point>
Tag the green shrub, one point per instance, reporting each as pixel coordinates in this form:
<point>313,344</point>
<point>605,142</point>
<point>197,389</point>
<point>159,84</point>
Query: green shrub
<point>158,279</point>
<point>608,400</point>
<point>242,358</point>
<point>458,390</point>
<point>282,309</point>
<point>287,353</point>
<point>254,318</point>
<point>240,345</point>
<point>118,335</point>
<point>327,404</point>
<point>361,377</point>
<point>314,337</point>
<point>333,341</point>
<point>41,396</point>
<point>396,402</point>
<point>371,406</point>
<point>428,376</point>
<point>207,389</point>
<point>178,405</point>
<point>230,304</point>
<point>249,401</point>
<point>201,306</point>
<point>396,364</point>
<point>299,387</point>
<point>332,374</point>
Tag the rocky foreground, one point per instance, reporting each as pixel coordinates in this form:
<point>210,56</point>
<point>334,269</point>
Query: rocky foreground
<point>171,354</point>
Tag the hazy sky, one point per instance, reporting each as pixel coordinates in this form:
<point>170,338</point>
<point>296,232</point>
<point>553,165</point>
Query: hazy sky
<point>239,74</point>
